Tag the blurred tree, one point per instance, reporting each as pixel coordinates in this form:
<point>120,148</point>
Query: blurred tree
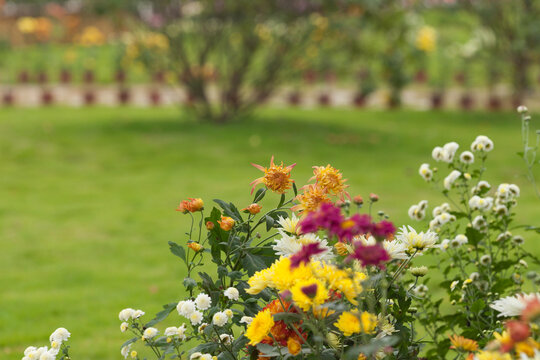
<point>515,24</point>
<point>231,55</point>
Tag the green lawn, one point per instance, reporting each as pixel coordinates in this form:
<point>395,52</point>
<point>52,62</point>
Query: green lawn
<point>87,198</point>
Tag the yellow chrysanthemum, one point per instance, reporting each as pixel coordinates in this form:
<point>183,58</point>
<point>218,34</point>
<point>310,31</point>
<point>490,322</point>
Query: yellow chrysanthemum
<point>341,249</point>
<point>309,293</point>
<point>284,277</point>
<point>492,355</point>
<point>527,347</point>
<point>330,180</point>
<point>426,39</point>
<point>27,25</point>
<point>276,178</point>
<point>260,327</point>
<point>352,322</point>
<point>311,199</point>
<point>462,343</point>
<point>347,282</point>
<point>260,281</point>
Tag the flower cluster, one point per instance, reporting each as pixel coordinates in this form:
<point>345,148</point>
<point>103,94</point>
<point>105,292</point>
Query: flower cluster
<point>58,347</point>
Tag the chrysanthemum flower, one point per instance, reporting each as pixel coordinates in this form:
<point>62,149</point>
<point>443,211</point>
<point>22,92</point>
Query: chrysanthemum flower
<point>305,254</point>
<point>416,241</point>
<point>330,180</point>
<point>311,199</point>
<point>352,322</point>
<point>259,327</point>
<point>370,255</point>
<point>462,343</point>
<point>253,209</point>
<point>191,205</point>
<point>226,223</point>
<point>276,177</point>
<point>513,305</point>
<point>309,293</point>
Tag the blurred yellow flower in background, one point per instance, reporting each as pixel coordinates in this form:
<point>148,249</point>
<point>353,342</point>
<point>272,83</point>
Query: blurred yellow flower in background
<point>91,35</point>
<point>26,25</point>
<point>426,39</point>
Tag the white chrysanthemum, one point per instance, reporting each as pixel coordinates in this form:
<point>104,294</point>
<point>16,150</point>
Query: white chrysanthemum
<point>201,328</point>
<point>180,331</point>
<point>440,220</point>
<point>195,355</point>
<point>203,301</point>
<point>500,210</point>
<point>385,326</point>
<point>415,213</point>
<point>124,326</point>
<point>48,355</point>
<point>29,350</point>
<point>451,178</point>
<point>479,223</point>
<point>478,203</point>
<point>289,224</point>
<point>481,186</point>
<point>414,241</point>
<point>171,331</point>
<point>231,293</point>
<point>60,335</point>
<point>418,211</point>
<point>482,143</point>
<point>186,308</point>
<point>466,157</point>
<point>395,249</point>
<point>220,318</point>
<point>196,317</point>
<point>441,209</point>
<point>206,357</point>
<point>137,314</point>
<point>453,285</point>
<point>150,333</point>
<point>125,351</point>
<point>288,245</point>
<point>449,150</point>
<point>246,320</point>
<point>513,305</point>
<point>437,153</point>
<point>425,172</point>
<point>226,339</point>
<point>126,314</point>
<point>443,246</point>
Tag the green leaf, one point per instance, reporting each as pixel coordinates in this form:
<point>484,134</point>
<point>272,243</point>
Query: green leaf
<point>478,306</point>
<point>281,201</point>
<point>189,283</point>
<point>295,190</point>
<point>205,348</point>
<point>162,315</point>
<point>253,263</point>
<point>178,250</point>
<point>130,341</point>
<point>269,222</point>
<point>259,195</point>
<point>267,350</point>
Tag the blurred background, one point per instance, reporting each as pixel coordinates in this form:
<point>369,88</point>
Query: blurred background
<point>113,111</point>
<point>425,54</point>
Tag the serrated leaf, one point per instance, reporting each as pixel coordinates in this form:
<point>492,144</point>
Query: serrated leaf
<point>178,250</point>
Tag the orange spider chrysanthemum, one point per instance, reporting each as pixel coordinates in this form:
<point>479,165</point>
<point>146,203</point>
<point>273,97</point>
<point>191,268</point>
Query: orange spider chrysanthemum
<point>276,177</point>
<point>311,199</point>
<point>462,343</point>
<point>330,179</point>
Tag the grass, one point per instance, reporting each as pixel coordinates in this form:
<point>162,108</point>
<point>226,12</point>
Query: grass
<point>88,197</point>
